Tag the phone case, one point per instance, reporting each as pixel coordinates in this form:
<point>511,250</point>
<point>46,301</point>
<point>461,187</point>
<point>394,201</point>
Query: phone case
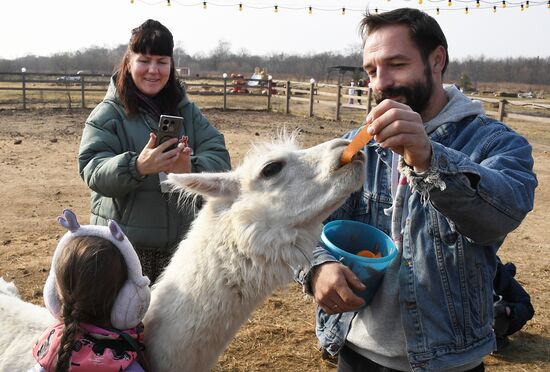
<point>169,127</point>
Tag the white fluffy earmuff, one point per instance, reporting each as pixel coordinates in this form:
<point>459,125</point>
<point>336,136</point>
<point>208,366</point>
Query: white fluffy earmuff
<point>132,300</point>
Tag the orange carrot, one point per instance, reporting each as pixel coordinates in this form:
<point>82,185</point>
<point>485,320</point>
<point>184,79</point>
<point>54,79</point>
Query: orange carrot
<point>369,254</point>
<point>356,144</point>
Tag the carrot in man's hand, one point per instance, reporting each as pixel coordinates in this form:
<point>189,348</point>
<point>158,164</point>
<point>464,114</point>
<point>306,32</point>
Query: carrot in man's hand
<point>356,144</point>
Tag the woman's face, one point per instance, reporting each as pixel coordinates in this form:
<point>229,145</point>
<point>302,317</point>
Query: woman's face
<point>150,73</point>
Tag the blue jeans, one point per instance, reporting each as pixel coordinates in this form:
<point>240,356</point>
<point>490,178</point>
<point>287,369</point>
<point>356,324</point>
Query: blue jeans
<point>350,361</point>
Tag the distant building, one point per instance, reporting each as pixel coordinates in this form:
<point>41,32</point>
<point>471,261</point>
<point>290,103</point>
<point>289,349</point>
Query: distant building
<point>183,71</point>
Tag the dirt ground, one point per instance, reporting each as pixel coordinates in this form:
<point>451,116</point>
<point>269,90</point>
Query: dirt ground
<point>39,178</point>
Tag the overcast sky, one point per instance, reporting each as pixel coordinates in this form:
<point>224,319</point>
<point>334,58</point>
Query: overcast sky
<point>45,27</point>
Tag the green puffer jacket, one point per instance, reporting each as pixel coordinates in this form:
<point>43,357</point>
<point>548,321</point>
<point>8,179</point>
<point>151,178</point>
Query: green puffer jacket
<point>110,145</point>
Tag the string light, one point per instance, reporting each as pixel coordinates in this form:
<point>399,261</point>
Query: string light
<point>494,5</point>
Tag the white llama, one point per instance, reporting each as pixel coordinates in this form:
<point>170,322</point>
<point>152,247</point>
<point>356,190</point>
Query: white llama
<point>258,222</point>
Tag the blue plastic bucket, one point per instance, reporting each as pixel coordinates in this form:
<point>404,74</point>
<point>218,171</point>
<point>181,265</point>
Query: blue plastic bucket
<point>344,238</point>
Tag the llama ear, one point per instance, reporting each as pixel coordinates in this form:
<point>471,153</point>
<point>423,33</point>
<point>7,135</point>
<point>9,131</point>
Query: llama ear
<point>216,185</point>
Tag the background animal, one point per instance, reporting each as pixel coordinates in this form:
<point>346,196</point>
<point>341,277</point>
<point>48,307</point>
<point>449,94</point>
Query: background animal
<point>258,223</point>
<point>22,322</point>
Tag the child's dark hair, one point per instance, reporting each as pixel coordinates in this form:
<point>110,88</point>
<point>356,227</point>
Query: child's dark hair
<point>151,38</point>
<point>424,30</point>
<point>90,272</point>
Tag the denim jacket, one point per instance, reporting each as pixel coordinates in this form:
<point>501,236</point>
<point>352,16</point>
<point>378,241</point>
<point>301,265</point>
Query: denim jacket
<point>485,188</point>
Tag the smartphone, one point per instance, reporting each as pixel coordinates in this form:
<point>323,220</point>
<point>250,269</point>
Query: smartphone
<point>169,127</point>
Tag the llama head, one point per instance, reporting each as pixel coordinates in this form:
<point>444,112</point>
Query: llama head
<point>279,195</point>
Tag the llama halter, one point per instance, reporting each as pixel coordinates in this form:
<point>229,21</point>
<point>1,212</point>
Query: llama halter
<point>133,298</point>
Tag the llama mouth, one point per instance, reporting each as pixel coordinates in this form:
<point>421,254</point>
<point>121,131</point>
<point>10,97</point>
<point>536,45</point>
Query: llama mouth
<point>358,157</point>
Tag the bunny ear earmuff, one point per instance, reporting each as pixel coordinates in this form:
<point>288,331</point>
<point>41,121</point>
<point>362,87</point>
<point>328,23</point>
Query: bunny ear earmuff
<point>132,300</point>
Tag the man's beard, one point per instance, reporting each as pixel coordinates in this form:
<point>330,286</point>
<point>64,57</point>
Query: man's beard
<point>416,95</point>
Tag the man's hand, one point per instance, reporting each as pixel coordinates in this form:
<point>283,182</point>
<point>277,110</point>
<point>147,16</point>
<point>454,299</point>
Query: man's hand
<point>396,126</point>
<point>332,285</point>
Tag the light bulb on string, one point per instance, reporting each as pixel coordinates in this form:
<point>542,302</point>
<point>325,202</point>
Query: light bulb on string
<point>240,7</point>
<point>494,9</point>
<point>477,3</point>
<point>131,1</point>
<point>310,10</point>
<point>527,4</point>
<point>204,5</point>
<point>168,3</point>
<point>466,10</point>
<point>548,4</point>
<point>437,11</point>
<point>450,3</point>
<point>521,7</point>
<point>503,4</point>
<point>419,2</point>
<point>276,9</point>
<point>343,11</point>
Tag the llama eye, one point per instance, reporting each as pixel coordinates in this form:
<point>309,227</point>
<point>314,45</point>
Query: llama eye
<point>272,169</point>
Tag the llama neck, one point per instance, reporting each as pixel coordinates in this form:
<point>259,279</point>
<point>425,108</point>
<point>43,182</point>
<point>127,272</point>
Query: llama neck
<point>217,277</point>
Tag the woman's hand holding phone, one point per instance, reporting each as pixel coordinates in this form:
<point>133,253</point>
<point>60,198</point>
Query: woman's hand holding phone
<point>183,161</point>
<point>156,159</point>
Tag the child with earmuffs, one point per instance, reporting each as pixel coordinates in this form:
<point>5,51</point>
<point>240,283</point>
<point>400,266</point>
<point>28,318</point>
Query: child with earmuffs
<point>97,292</point>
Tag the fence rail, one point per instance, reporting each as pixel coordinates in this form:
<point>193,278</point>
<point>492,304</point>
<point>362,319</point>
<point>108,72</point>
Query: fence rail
<point>26,89</point>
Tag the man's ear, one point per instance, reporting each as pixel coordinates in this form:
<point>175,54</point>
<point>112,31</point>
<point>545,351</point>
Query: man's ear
<point>438,58</point>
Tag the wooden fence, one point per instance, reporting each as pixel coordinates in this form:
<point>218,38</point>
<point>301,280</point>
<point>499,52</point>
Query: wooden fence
<point>25,90</point>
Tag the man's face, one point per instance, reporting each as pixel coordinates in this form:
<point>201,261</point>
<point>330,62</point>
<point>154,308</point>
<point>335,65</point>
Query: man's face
<point>396,68</point>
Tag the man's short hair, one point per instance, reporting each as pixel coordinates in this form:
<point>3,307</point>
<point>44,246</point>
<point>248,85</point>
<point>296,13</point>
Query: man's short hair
<point>425,32</point>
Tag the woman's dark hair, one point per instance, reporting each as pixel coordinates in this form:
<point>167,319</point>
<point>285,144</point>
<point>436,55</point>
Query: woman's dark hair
<point>151,38</point>
<point>90,272</point>
<point>424,30</point>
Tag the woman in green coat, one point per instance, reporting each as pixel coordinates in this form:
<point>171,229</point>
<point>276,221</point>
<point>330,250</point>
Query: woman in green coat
<point>118,158</point>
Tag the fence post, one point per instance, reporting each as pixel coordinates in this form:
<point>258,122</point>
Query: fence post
<point>23,82</point>
<point>269,84</point>
<point>311,91</point>
<point>501,109</point>
<point>82,91</point>
<point>288,93</point>
<point>369,100</point>
<point>224,91</point>
<point>338,101</point>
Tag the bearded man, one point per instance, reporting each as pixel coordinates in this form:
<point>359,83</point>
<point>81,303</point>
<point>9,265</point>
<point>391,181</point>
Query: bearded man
<point>448,184</point>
